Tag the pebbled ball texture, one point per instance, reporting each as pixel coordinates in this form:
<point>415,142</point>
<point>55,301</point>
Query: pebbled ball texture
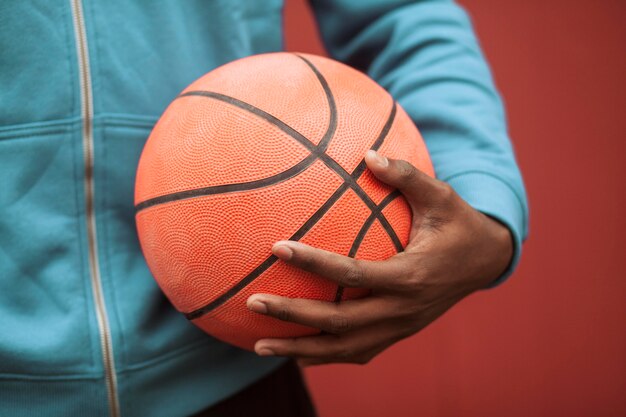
<point>266,148</point>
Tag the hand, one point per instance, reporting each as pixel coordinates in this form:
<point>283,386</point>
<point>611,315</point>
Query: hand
<point>453,251</point>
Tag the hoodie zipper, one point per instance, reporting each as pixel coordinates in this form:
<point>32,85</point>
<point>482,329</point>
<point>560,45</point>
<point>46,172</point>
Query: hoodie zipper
<point>94,268</point>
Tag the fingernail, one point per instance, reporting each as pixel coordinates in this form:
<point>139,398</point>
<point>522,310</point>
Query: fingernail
<point>284,252</point>
<point>258,306</point>
<point>378,158</point>
<point>264,351</point>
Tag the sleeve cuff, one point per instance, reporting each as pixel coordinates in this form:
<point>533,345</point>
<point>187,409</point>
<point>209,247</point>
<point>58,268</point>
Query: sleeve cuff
<point>493,196</point>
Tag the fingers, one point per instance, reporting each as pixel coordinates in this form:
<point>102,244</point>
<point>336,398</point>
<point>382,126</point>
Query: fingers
<point>354,331</point>
<point>346,271</point>
<point>416,186</point>
<point>329,317</point>
<point>356,347</point>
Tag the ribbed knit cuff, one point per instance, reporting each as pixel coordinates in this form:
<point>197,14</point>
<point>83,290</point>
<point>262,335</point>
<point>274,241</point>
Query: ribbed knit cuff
<point>493,196</point>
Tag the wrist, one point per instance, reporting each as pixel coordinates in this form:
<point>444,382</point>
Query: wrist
<point>502,244</point>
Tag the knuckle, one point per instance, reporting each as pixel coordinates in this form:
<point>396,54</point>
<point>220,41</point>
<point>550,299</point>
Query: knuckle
<point>410,283</point>
<point>445,191</point>
<point>307,261</point>
<point>406,171</point>
<point>413,281</point>
<point>338,324</point>
<point>353,276</point>
<point>283,312</point>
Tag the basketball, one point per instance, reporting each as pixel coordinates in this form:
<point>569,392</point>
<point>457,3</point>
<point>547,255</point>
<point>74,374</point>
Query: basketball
<point>268,148</point>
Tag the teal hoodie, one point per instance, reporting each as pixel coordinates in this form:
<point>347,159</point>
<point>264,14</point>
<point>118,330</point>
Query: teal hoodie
<point>84,330</point>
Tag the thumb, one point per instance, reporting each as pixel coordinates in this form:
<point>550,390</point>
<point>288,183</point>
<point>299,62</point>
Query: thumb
<point>417,187</point>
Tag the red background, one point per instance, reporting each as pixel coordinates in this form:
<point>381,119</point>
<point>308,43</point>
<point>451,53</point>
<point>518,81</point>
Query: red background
<point>552,340</point>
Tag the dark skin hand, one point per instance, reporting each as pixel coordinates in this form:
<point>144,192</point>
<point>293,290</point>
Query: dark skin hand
<point>453,251</point>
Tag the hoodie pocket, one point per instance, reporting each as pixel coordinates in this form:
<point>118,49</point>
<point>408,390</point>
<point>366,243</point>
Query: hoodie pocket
<point>43,299</point>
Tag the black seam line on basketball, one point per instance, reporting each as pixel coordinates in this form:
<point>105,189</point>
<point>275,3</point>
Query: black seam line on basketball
<point>332,106</point>
<point>364,229</point>
<point>229,188</point>
<point>379,140</point>
<point>316,150</point>
<point>232,291</point>
<point>348,179</point>
<point>256,111</point>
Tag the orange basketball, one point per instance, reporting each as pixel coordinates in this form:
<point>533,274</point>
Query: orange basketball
<point>262,149</point>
